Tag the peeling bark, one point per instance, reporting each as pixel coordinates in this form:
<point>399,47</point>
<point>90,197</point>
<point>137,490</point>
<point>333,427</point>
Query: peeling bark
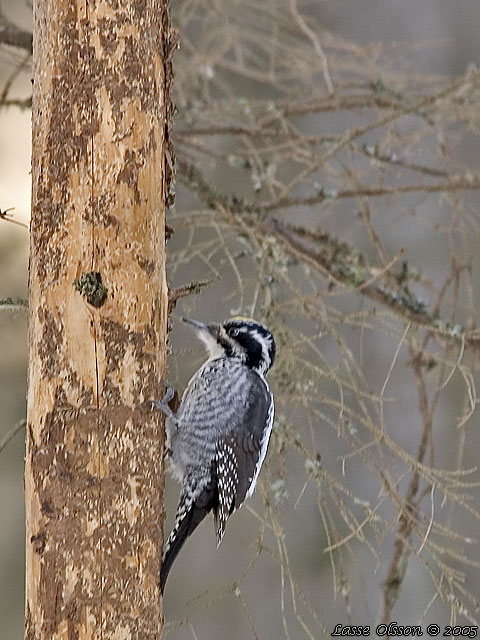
<point>98,318</point>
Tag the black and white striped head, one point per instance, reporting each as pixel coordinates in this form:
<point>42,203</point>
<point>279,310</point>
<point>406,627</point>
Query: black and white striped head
<point>240,338</point>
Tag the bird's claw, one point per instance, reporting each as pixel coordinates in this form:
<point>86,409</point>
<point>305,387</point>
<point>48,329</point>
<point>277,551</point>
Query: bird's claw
<point>169,393</point>
<point>162,405</point>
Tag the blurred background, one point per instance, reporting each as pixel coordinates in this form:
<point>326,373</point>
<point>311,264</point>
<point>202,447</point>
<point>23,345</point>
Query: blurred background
<point>327,184</point>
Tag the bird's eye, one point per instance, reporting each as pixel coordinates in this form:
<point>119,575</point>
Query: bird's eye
<point>234,332</point>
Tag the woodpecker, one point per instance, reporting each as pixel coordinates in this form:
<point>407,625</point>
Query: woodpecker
<point>219,436</point>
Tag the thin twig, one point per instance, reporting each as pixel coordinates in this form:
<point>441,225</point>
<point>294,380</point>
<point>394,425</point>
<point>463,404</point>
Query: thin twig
<point>12,433</point>
<point>8,218</point>
<point>12,77</point>
<point>398,566</point>
<point>312,36</point>
<point>430,524</point>
<point>465,183</point>
<point>187,290</point>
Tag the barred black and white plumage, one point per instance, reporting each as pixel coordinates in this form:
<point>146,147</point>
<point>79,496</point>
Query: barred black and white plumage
<point>218,439</point>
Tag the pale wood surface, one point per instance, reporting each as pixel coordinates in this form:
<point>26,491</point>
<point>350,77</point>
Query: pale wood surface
<point>94,466</point>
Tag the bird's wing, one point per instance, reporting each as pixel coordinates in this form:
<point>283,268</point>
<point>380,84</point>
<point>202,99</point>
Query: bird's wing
<point>241,452</point>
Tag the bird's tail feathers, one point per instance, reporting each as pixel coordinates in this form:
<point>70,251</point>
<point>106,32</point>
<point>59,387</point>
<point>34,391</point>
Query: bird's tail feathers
<point>195,503</point>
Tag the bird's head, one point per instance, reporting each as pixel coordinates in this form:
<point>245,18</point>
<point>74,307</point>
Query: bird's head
<point>241,338</point>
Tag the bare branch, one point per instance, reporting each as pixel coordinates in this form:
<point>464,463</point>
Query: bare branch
<point>13,304</point>
<point>312,36</point>
<point>5,215</point>
<point>461,183</point>
<point>399,563</point>
<point>12,433</point>
<point>15,36</point>
<point>347,266</point>
<point>339,261</point>
<point>187,290</point>
<point>12,77</point>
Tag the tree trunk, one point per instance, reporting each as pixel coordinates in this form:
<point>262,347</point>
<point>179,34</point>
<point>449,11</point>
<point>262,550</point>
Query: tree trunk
<point>98,319</point>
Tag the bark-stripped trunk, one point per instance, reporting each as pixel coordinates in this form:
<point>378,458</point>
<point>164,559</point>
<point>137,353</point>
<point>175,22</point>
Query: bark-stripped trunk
<point>98,319</point>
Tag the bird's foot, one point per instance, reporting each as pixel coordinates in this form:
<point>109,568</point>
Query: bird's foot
<point>163,405</point>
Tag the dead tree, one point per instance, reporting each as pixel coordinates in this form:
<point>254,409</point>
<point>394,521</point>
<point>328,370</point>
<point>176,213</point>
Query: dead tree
<point>98,318</point>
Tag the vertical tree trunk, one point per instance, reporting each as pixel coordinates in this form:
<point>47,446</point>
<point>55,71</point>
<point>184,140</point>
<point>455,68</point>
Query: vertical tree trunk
<point>98,315</point>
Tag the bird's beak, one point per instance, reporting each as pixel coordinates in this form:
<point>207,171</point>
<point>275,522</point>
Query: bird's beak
<point>211,329</point>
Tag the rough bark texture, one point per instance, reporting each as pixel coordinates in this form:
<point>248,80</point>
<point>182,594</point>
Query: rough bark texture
<point>94,456</point>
